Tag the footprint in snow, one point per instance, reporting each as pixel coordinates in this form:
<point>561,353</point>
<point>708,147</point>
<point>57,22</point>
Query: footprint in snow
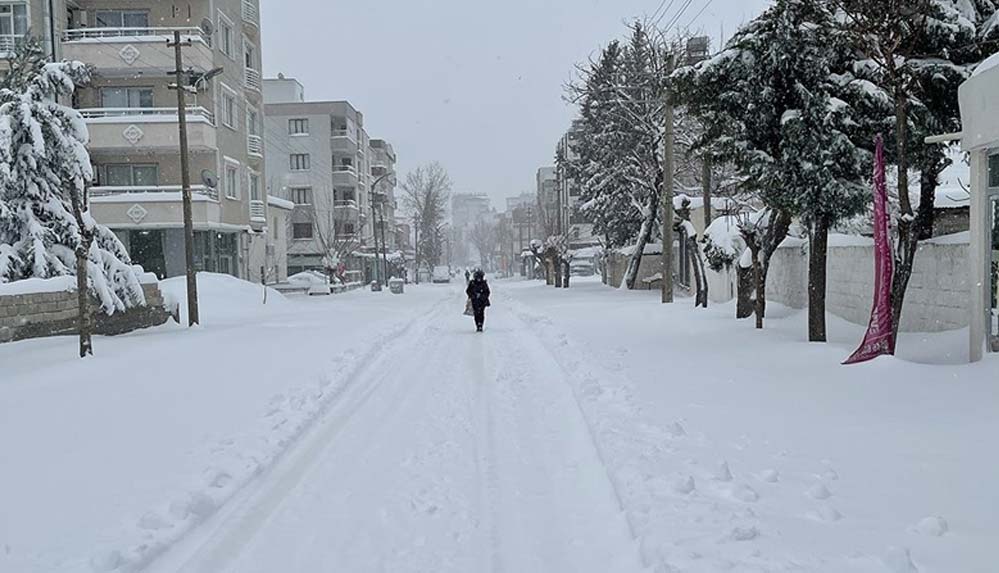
<point>933,526</point>
<point>769,476</point>
<point>819,491</point>
<point>899,560</point>
<point>827,514</point>
<point>745,493</point>
<point>723,473</point>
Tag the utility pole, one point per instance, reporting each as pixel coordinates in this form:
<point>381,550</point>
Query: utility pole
<point>667,196</point>
<point>416,247</point>
<point>381,216</point>
<point>185,178</point>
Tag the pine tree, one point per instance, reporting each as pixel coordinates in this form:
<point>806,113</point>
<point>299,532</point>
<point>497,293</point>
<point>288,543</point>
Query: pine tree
<point>767,105</point>
<point>46,229</point>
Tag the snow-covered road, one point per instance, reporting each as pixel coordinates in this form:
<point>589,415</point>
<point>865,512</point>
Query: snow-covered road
<point>452,451</point>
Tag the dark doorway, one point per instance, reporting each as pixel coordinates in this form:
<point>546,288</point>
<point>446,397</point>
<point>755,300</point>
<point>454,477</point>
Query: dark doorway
<point>147,250</point>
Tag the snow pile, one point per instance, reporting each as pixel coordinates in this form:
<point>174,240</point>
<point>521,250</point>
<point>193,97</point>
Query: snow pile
<point>221,298</point>
<point>35,286</point>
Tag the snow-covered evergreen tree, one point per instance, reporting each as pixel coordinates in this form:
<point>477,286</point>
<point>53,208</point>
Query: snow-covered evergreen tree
<point>44,173</point>
<point>767,105</point>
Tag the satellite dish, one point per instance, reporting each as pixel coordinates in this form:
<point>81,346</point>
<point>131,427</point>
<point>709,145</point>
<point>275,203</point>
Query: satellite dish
<point>210,179</point>
<point>207,27</point>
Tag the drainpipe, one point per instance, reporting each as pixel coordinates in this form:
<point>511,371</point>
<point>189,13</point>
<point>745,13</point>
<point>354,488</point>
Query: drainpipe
<point>52,28</point>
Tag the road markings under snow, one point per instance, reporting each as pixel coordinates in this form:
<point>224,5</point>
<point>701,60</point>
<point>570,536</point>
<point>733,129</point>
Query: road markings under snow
<point>452,451</point>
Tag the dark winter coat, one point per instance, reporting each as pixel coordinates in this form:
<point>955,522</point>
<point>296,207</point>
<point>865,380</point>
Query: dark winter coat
<point>478,293</point>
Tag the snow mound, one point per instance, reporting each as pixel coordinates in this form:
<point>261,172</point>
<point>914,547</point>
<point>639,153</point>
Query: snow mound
<point>221,298</point>
<point>933,526</point>
<point>819,491</point>
<point>684,485</point>
<point>770,476</point>
<point>899,560</point>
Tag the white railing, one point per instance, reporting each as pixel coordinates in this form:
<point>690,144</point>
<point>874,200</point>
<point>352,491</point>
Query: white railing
<point>255,145</point>
<point>345,204</point>
<point>345,169</point>
<point>108,190</point>
<point>258,212</point>
<point>251,13</point>
<point>134,34</point>
<point>136,114</point>
<point>252,79</point>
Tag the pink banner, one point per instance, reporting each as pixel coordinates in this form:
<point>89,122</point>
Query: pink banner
<point>879,341</point>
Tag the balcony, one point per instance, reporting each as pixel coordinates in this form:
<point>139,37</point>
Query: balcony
<point>251,13</point>
<point>344,176</point>
<point>258,213</point>
<point>251,79</point>
<point>153,192</point>
<point>148,129</point>
<point>343,141</point>
<point>345,210</point>
<point>117,52</point>
<point>255,145</point>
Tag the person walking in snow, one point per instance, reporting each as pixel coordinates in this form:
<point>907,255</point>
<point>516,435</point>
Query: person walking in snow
<point>468,277</point>
<point>478,293</point>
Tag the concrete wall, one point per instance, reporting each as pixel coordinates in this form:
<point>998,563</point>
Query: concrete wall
<point>937,299</point>
<point>55,313</point>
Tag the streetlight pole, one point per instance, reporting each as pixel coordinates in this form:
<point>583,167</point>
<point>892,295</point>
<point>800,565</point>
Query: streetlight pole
<point>381,222</point>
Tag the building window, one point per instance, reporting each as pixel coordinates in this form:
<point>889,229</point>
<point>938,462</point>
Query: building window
<point>231,182</point>
<point>994,171</point>
<point>252,120</point>
<point>254,187</point>
<point>226,37</point>
<point>298,126</point>
<point>122,19</point>
<point>125,97</point>
<point>301,195</point>
<point>228,109</point>
<point>14,19</point>
<point>131,175</point>
<point>300,162</point>
<point>301,230</point>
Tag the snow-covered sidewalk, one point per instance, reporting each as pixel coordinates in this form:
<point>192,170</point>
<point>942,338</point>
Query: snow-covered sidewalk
<point>109,460</point>
<point>740,450</point>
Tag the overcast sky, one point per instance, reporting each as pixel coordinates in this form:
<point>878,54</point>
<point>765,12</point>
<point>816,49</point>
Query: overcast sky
<point>475,85</point>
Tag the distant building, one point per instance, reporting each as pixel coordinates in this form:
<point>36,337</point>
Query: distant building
<point>579,225</point>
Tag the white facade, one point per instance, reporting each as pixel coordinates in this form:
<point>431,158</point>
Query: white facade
<point>980,137</point>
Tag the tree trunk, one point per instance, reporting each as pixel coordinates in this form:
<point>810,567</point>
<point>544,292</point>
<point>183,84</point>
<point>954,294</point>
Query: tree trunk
<point>744,306</point>
<point>817,250</point>
<point>706,190</point>
<point>644,235</point>
<point>83,299</point>
<point>760,284</point>
<point>565,273</point>
<point>700,277</point>
<point>557,263</point>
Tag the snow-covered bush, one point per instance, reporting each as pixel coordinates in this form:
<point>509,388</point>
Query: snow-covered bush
<point>723,243</point>
<point>44,170</point>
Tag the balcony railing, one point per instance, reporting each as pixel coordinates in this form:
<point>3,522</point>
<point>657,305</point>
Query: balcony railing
<point>344,169</point>
<point>109,190</point>
<point>255,145</point>
<point>145,114</point>
<point>252,79</point>
<point>251,14</point>
<point>258,212</point>
<point>134,34</point>
<point>337,132</point>
<point>345,204</point>
<point>8,43</point>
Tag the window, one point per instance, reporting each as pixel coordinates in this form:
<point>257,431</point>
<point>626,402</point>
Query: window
<point>252,121</point>
<point>228,109</point>
<point>123,97</point>
<point>122,19</point>
<point>249,55</point>
<point>231,182</point>
<point>301,195</point>
<point>994,171</point>
<point>301,230</point>
<point>298,126</point>
<point>254,187</point>
<point>14,19</point>
<point>225,36</point>
<point>300,162</point>
<point>131,175</point>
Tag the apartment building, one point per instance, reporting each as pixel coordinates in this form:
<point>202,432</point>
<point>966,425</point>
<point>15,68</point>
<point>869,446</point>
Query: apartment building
<point>132,117</point>
<point>552,209</point>
<point>43,19</point>
<point>579,226</point>
<point>320,157</point>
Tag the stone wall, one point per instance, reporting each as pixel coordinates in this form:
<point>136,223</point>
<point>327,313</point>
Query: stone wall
<point>43,314</point>
<point>937,298</point>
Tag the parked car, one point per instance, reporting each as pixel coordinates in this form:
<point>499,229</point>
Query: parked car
<point>582,268</point>
<point>441,274</point>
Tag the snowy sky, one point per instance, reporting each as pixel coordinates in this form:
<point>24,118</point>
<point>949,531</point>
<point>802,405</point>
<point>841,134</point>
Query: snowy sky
<point>476,85</point>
